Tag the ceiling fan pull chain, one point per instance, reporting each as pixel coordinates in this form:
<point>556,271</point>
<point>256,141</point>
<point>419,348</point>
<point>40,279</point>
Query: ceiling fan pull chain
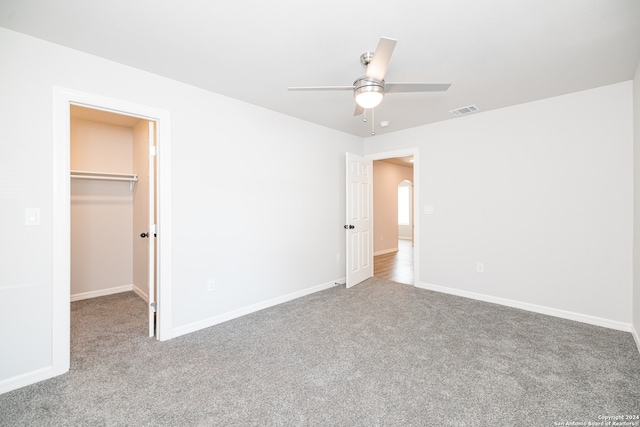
<point>373,122</point>
<point>364,116</point>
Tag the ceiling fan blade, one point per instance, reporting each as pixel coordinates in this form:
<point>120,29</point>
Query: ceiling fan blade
<point>377,68</point>
<point>358,111</point>
<point>416,87</point>
<point>321,88</point>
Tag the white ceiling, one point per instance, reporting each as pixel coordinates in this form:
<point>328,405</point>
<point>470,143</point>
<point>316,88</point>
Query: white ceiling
<point>495,53</point>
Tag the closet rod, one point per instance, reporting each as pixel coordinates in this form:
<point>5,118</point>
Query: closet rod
<point>106,176</point>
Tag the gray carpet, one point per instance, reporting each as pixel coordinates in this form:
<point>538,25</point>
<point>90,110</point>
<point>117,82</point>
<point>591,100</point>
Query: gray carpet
<point>379,354</point>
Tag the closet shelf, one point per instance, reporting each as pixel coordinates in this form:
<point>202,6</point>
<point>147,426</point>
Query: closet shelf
<point>106,176</point>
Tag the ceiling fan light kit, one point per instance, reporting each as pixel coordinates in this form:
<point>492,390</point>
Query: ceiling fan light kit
<point>368,92</point>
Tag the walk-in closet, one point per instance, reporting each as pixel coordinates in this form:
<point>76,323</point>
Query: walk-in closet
<point>110,203</point>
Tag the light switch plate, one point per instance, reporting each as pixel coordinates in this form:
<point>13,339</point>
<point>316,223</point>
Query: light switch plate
<point>32,216</point>
<point>428,210</point>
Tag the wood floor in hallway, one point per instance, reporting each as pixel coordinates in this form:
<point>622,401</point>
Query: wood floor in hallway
<point>396,266</point>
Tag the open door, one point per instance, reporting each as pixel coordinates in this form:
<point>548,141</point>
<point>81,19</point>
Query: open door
<point>359,225</point>
<point>152,230</point>
<point>144,217</point>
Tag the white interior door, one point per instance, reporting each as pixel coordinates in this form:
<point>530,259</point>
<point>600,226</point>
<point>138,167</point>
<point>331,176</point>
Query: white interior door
<point>152,231</point>
<point>144,272</point>
<point>359,225</point>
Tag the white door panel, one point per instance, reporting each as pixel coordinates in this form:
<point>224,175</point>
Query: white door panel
<point>359,219</point>
<point>152,229</point>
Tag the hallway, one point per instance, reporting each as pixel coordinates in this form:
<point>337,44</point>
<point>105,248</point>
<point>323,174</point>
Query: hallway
<point>396,266</point>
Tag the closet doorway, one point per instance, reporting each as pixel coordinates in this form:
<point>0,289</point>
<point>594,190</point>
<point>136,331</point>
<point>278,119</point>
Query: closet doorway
<point>63,99</point>
<point>112,205</point>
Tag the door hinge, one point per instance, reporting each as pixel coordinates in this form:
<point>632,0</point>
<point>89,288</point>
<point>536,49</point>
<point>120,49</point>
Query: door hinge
<point>153,150</point>
<point>153,306</point>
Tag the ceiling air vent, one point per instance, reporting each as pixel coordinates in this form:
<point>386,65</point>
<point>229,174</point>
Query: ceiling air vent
<point>464,110</point>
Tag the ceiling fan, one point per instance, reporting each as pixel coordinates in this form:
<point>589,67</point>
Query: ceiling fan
<point>369,89</point>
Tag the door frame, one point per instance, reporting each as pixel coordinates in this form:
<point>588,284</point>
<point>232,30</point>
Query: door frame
<point>415,152</point>
<point>63,98</point>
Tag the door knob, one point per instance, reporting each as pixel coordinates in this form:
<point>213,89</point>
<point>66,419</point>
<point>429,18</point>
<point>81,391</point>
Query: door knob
<point>351,227</point>
<point>143,235</point>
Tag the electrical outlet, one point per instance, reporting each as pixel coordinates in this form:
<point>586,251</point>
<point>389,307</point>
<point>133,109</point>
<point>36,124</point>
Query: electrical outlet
<point>211,285</point>
<point>338,257</point>
<point>480,267</point>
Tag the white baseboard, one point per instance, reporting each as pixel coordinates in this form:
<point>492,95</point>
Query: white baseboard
<point>385,251</point>
<point>578,317</point>
<point>634,332</point>
<point>196,326</point>
<point>142,294</point>
<point>24,380</point>
<point>101,292</point>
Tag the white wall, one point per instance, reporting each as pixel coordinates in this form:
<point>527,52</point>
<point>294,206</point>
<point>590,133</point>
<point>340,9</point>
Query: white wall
<point>279,238</point>
<point>541,193</point>
<point>101,211</point>
<point>636,198</point>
